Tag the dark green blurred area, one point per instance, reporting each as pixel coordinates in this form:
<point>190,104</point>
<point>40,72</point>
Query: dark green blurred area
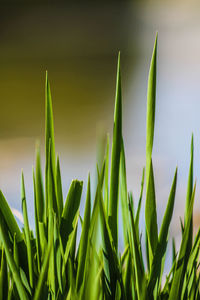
<point>78,45</point>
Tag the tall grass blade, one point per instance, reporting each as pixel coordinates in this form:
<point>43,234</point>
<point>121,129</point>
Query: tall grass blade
<point>27,233</point>
<point>59,189</point>
<point>84,239</point>
<point>115,160</point>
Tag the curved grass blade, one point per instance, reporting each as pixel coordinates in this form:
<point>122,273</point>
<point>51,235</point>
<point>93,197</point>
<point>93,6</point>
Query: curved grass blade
<point>3,276</point>
<point>137,217</point>
<point>39,188</point>
<point>106,187</point>
<point>115,160</point>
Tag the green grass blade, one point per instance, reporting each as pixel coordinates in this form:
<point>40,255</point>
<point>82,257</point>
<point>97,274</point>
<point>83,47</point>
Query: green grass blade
<point>151,106</point>
<point>70,209</point>
<point>115,160</point>
<point>179,273</point>
<point>9,218</point>
<point>124,194</point>
<point>3,277</point>
<point>189,192</point>
<point>151,216</point>
<point>37,235</point>
<point>27,233</point>
<point>49,136</point>
<point>84,239</point>
<point>43,275</point>
<point>39,188</point>
<point>162,240</point>
<point>59,188</point>
<point>137,217</point>
<point>106,187</point>
<point>12,265</point>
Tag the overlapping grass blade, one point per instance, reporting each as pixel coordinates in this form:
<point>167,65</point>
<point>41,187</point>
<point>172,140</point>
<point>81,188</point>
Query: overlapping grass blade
<point>115,160</point>
<point>59,189</point>
<point>84,239</point>
<point>27,233</point>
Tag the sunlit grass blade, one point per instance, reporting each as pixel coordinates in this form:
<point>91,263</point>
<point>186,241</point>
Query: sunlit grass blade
<point>115,160</point>
<point>183,256</point>
<point>15,272</point>
<point>27,233</point>
<point>151,216</point>
<point>162,240</point>
<point>70,209</point>
<point>84,239</point>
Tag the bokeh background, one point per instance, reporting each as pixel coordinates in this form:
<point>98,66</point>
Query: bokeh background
<point>78,44</point>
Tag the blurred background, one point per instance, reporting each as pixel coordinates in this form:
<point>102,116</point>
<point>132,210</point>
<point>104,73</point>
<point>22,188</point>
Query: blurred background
<point>78,44</point>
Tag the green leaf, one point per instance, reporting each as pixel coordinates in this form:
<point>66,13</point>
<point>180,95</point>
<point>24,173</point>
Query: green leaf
<point>84,239</point>
<point>3,277</point>
<point>39,192</point>
<point>115,160</point>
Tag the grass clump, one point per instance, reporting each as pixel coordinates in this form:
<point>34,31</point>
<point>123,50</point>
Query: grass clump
<point>49,263</point>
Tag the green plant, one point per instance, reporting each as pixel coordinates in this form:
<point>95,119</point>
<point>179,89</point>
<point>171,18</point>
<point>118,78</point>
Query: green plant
<point>49,264</point>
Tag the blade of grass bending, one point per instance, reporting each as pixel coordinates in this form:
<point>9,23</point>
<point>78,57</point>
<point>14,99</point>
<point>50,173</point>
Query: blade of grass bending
<point>59,189</point>
<point>12,265</point>
<point>43,274</point>
<point>162,240</point>
<point>189,192</point>
<point>9,218</point>
<point>151,216</point>
<point>70,209</point>
<point>58,257</point>
<point>38,247</point>
<point>124,194</point>
<point>49,135</point>
<point>84,239</point>
<point>183,256</point>
<point>27,232</point>
<point>115,160</point>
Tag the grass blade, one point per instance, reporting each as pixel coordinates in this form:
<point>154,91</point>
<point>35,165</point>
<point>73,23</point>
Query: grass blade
<point>115,160</point>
